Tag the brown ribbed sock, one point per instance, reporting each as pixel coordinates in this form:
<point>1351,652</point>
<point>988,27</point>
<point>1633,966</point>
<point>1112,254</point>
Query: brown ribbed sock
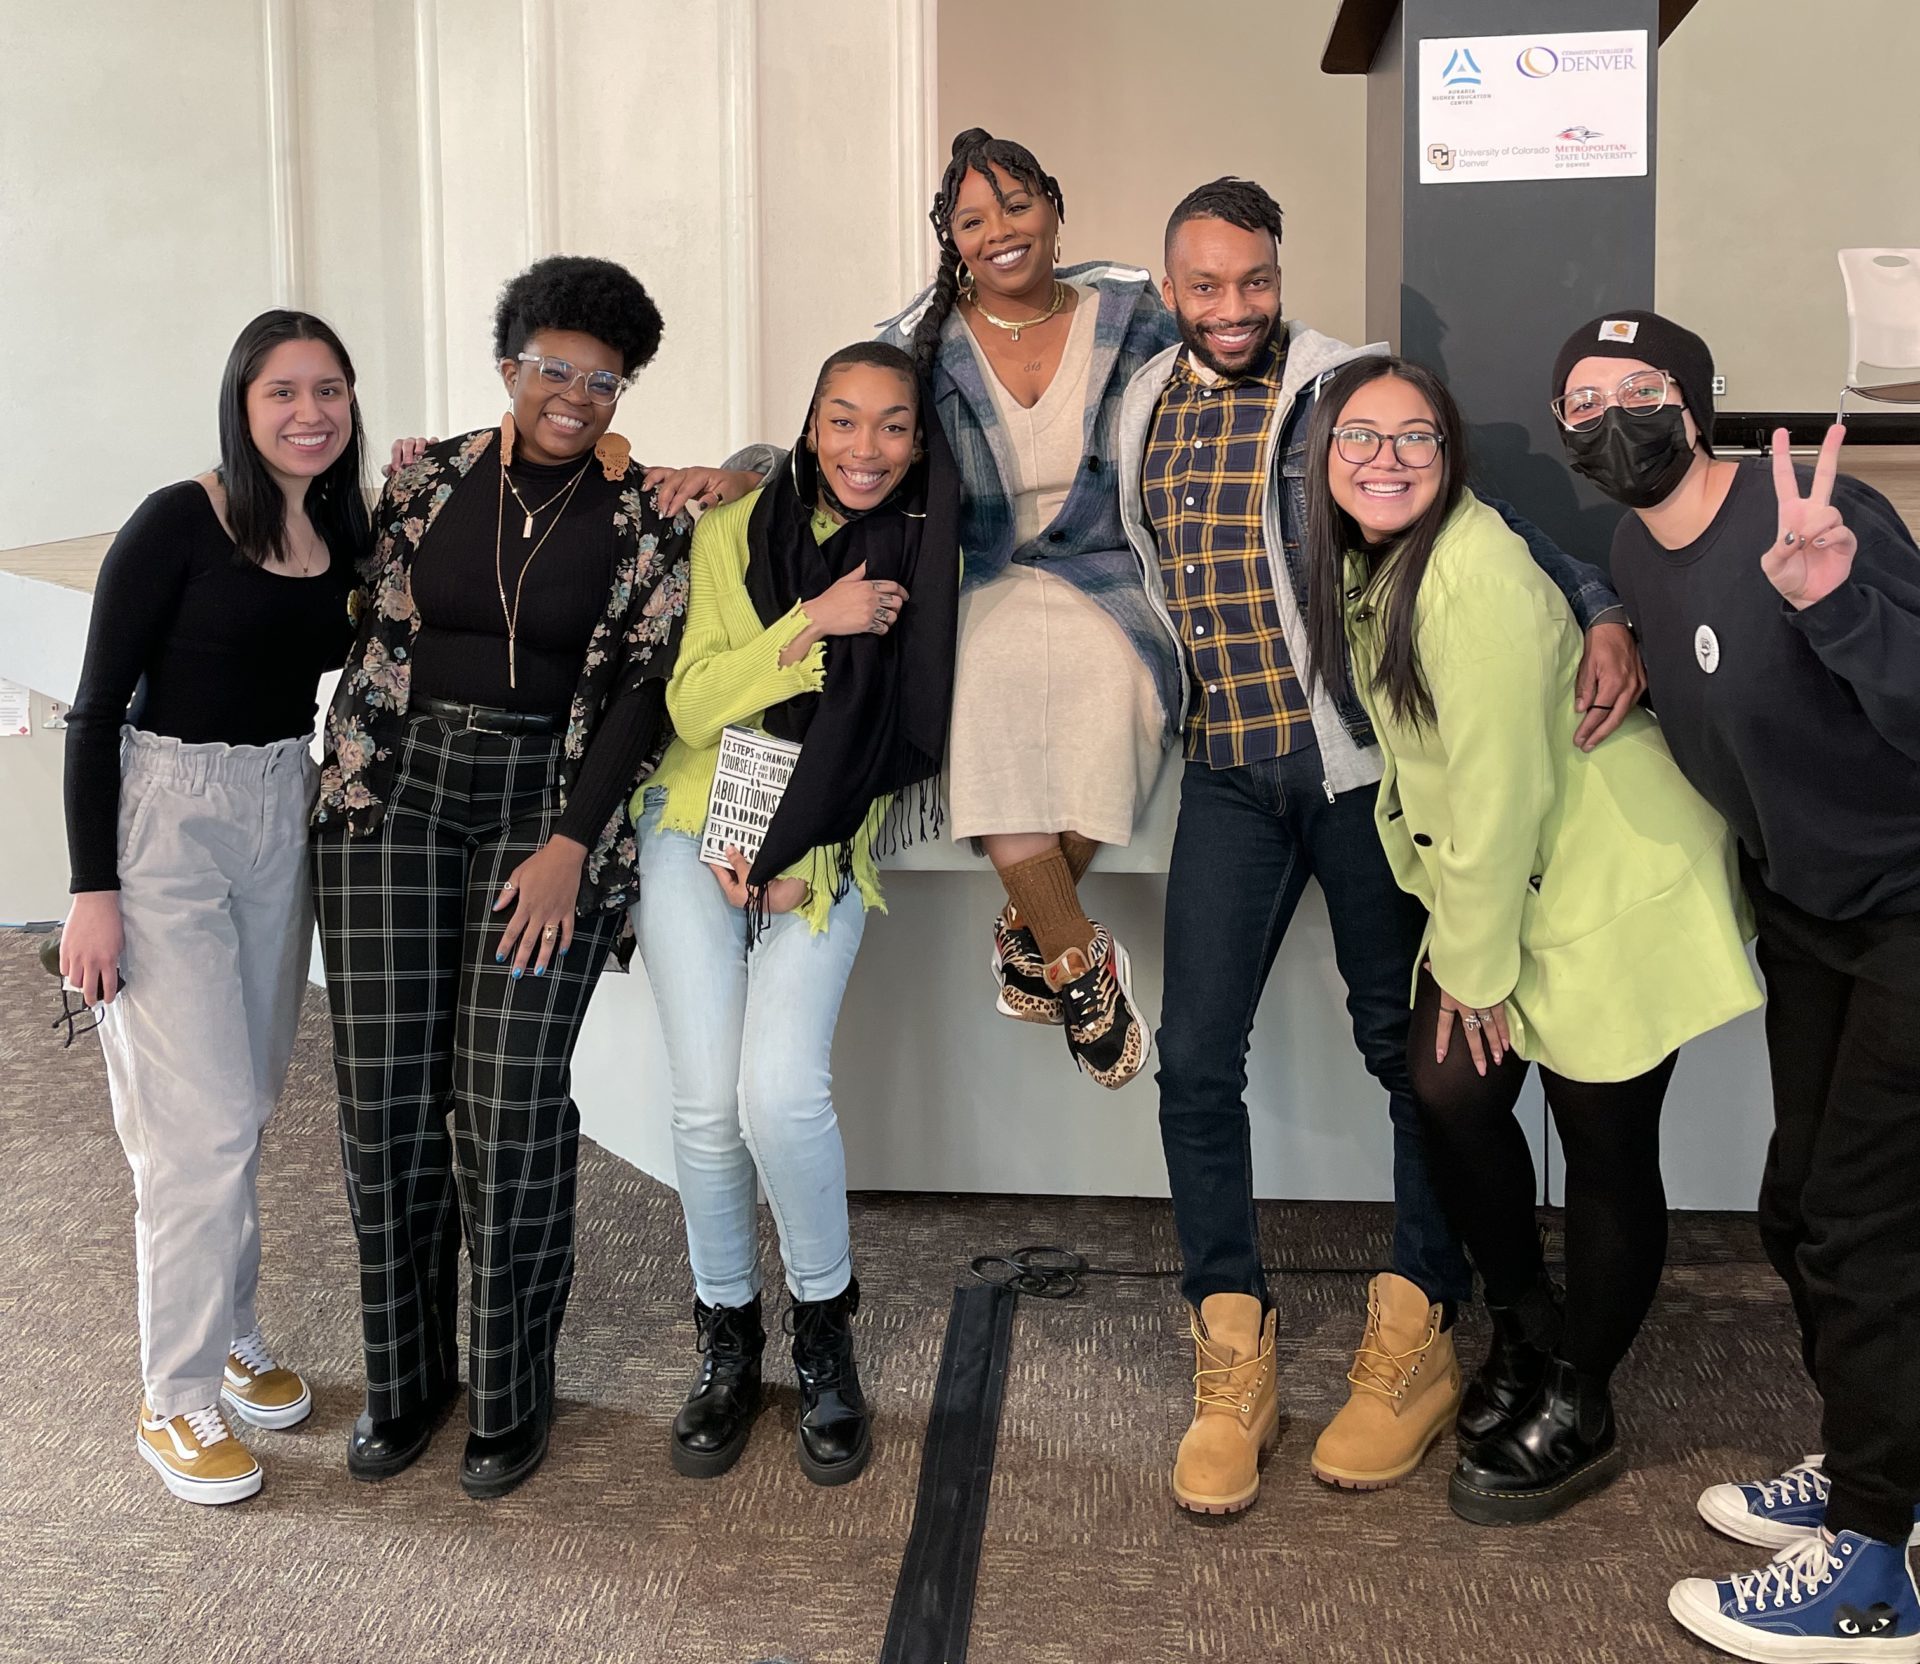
<point>1079,852</point>
<point>1042,888</point>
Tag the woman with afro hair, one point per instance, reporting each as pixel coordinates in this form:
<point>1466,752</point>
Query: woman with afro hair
<point>1069,683</point>
<point>473,860</point>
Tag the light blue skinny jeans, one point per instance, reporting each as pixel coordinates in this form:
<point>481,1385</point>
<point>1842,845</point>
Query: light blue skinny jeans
<point>749,1046</point>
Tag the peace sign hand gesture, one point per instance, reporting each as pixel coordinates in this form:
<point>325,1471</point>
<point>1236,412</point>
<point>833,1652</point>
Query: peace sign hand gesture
<point>1813,554</point>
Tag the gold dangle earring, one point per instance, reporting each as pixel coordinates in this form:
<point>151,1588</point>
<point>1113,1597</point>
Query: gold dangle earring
<point>966,281</point>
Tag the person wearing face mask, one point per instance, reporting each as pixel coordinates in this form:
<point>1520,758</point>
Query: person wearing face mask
<point>473,861</point>
<point>823,612</point>
<point>1583,915</point>
<point>1778,608</point>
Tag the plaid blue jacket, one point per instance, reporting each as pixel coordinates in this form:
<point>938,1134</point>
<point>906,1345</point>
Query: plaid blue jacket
<point>1086,544</point>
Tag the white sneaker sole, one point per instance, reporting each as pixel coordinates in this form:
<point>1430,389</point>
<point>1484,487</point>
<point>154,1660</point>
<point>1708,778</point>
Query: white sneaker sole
<point>198,1490</point>
<point>253,1415</point>
<point>1696,1609</point>
<point>1724,1508</point>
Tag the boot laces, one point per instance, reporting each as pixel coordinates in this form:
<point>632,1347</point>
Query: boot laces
<point>1796,1574</point>
<point>1213,1383</point>
<point>827,1344</point>
<point>1389,1373</point>
<point>252,1351</point>
<point>1805,1482</point>
<point>208,1425</point>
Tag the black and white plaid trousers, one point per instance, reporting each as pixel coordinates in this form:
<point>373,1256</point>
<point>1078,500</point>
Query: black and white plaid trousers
<point>454,1076</point>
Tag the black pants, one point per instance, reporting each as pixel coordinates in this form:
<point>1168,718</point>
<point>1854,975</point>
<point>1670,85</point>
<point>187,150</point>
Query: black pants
<point>1616,1223</point>
<point>453,1075</point>
<point>1840,1203</point>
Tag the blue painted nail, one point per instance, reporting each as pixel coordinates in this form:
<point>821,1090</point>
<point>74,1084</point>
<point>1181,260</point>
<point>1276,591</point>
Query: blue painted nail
<point>499,958</point>
<point>539,970</point>
<point>516,973</point>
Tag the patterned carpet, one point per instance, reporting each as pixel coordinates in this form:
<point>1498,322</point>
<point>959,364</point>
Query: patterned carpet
<point>607,1555</point>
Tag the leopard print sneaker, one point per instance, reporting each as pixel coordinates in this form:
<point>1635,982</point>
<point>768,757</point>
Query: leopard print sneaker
<point>1022,974</point>
<point>1104,1031</point>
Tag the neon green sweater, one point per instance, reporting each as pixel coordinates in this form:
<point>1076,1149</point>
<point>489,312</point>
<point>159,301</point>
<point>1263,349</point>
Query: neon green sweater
<point>729,672</point>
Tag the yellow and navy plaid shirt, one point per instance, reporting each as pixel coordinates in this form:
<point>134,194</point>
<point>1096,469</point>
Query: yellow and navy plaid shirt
<point>1205,484</point>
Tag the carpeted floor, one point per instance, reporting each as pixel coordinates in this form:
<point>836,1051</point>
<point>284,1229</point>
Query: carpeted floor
<point>608,1555</point>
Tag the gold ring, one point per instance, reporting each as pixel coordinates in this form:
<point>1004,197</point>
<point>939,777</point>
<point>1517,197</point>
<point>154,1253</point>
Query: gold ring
<point>549,933</point>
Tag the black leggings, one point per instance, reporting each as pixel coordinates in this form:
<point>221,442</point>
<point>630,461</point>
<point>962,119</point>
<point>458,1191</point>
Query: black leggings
<point>1616,1225</point>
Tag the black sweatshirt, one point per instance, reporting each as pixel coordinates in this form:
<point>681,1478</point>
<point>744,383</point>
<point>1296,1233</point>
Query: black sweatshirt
<point>1801,726</point>
<point>190,641</point>
<point>460,652</point>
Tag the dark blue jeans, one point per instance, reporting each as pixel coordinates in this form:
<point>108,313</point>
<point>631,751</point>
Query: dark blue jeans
<point>1248,840</point>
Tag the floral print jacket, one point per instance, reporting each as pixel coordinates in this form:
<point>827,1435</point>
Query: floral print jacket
<point>635,641</point>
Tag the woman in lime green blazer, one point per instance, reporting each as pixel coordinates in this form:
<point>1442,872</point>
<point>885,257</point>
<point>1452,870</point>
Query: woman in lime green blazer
<point>1584,915</point>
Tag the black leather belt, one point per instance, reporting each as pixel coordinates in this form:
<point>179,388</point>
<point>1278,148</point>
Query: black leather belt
<point>486,719</point>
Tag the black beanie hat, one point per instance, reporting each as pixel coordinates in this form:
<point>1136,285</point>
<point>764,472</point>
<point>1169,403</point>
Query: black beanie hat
<point>1653,340</point>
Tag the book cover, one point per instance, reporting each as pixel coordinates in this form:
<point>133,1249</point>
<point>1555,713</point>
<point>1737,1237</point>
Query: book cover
<point>748,783</point>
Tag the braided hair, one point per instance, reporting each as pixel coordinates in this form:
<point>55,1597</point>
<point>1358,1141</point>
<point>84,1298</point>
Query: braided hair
<point>1237,201</point>
<point>974,151</point>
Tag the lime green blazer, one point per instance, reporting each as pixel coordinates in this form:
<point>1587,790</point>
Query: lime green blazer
<point>1596,893</point>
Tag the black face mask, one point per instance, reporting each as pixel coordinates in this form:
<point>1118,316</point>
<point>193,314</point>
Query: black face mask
<point>1635,460</point>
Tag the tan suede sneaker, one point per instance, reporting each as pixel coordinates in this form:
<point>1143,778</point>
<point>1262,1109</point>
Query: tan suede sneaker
<point>1406,1390</point>
<point>259,1391</point>
<point>196,1455</point>
<point>1236,1406</point>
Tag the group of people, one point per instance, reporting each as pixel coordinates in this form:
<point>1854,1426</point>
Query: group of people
<point>1048,526</point>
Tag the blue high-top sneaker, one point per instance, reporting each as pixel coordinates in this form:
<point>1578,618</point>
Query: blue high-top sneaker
<point>1820,1601</point>
<point>1771,1513</point>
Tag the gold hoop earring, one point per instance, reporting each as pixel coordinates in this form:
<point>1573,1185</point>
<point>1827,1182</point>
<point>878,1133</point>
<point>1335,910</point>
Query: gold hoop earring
<point>966,281</point>
<point>1056,248</point>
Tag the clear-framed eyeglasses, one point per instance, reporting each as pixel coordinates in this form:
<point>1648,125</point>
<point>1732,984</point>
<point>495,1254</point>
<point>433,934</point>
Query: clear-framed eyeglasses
<point>1641,394</point>
<point>557,375</point>
<point>1359,446</point>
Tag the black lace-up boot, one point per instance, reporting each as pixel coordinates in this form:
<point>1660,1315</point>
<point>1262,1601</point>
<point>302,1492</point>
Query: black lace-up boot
<point>714,1423</point>
<point>1524,1337</point>
<point>836,1435</point>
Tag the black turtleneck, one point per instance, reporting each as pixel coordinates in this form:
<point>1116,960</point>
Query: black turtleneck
<point>460,652</point>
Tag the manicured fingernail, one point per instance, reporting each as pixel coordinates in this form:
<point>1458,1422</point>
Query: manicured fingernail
<point>516,973</point>
<point>499,958</point>
<point>539,970</point>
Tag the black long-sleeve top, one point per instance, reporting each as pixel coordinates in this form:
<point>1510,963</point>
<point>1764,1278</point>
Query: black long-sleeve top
<point>1801,726</point>
<point>460,652</point>
<point>189,640</point>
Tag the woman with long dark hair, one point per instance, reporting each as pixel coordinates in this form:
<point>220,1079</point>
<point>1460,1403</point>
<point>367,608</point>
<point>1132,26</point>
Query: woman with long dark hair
<point>1069,684</point>
<point>188,782</point>
<point>473,859</point>
<point>1583,916</point>
<point>822,613</point>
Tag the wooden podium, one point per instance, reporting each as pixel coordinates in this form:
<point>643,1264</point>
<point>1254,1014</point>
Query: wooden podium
<point>1481,279</point>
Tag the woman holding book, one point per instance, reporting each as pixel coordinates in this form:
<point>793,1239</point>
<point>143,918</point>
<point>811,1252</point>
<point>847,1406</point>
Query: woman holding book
<point>822,614</point>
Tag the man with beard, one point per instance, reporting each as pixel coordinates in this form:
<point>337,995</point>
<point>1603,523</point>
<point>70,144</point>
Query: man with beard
<point>1279,785</point>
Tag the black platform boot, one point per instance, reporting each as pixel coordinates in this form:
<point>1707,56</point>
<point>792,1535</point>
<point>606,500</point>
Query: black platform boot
<point>713,1425</point>
<point>1561,1448</point>
<point>1525,1335</point>
<point>836,1435</point>
<point>379,1449</point>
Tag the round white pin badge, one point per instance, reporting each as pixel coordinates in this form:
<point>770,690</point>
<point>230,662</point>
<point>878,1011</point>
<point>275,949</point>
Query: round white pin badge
<point>1706,648</point>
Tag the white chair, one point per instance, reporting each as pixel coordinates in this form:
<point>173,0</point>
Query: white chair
<point>1883,324</point>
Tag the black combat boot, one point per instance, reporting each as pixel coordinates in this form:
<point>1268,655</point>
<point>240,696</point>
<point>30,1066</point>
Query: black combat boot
<point>1560,1448</point>
<point>714,1423</point>
<point>835,1424</point>
<point>1525,1335</point>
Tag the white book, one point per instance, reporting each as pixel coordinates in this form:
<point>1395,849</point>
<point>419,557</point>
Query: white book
<point>748,783</point>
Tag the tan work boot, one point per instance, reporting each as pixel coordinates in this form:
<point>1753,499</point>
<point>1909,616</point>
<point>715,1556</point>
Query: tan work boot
<point>1236,1406</point>
<point>196,1455</point>
<point>260,1390</point>
<point>1406,1390</point>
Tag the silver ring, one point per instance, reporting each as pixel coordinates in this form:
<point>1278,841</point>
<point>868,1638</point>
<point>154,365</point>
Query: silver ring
<point>1470,1019</point>
<point>1788,539</point>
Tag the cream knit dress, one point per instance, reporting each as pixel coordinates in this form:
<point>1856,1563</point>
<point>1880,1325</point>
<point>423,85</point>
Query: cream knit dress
<point>1056,724</point>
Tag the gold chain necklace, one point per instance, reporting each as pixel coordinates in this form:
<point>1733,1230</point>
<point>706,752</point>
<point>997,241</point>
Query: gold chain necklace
<point>512,614</point>
<point>1014,325</point>
<point>526,531</point>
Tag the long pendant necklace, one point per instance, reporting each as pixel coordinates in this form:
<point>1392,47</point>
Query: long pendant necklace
<point>512,613</point>
<point>1014,325</point>
<point>526,530</point>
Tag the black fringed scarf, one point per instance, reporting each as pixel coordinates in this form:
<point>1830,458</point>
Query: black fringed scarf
<point>879,722</point>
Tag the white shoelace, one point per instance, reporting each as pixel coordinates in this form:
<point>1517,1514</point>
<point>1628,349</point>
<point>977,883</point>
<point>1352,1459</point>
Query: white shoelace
<point>252,1351</point>
<point>1804,1482</point>
<point>1795,1574</point>
<point>208,1425</point>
